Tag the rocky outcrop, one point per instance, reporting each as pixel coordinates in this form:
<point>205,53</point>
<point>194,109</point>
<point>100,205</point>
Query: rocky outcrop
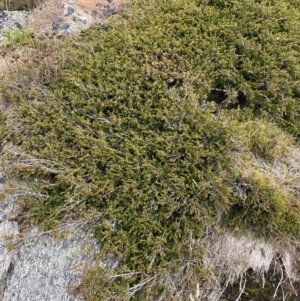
<point>44,268</point>
<point>61,16</point>
<point>38,266</point>
<point>12,19</point>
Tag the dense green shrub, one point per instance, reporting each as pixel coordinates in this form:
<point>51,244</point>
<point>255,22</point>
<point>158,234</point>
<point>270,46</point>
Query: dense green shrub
<point>129,130</point>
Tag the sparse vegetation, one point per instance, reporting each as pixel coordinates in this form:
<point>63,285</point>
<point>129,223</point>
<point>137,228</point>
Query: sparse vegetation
<point>129,129</point>
<point>19,4</point>
<point>28,61</point>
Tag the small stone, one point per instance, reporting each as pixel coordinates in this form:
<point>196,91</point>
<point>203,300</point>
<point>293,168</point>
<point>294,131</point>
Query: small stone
<point>55,26</point>
<point>94,13</point>
<point>65,26</point>
<point>18,25</point>
<point>3,15</point>
<point>84,21</point>
<point>109,11</point>
<point>70,11</point>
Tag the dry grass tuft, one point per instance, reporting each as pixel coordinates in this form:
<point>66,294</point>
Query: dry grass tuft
<point>231,258</point>
<point>268,151</point>
<point>30,65</point>
<point>19,4</point>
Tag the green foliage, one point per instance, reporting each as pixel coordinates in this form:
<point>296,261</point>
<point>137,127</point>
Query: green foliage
<point>16,36</point>
<point>128,130</point>
<point>266,204</point>
<point>260,139</point>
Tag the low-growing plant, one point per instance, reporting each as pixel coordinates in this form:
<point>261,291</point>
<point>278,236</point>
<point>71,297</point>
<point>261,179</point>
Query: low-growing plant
<point>16,36</point>
<point>130,130</point>
<point>257,198</point>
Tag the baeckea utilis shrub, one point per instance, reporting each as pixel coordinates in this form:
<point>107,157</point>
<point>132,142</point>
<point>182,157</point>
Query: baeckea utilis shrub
<point>141,126</point>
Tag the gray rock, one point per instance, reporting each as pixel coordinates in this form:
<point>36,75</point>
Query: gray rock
<point>44,268</point>
<point>64,17</point>
<point>65,26</point>
<point>39,266</point>
<point>70,11</point>
<point>56,25</point>
<point>10,19</point>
